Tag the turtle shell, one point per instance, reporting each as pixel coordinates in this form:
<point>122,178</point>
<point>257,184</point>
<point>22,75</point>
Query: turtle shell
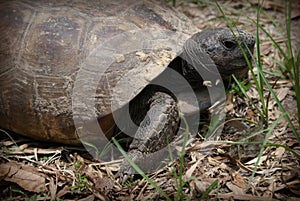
<point>66,59</point>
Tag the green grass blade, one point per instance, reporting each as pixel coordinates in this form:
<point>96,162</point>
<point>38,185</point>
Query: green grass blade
<point>260,83</point>
<point>297,83</point>
<point>140,171</point>
<point>6,133</point>
<point>291,125</point>
<point>264,144</point>
<point>297,155</point>
<point>257,79</point>
<point>181,159</point>
<point>246,95</point>
<point>209,189</point>
<point>276,45</point>
<point>291,61</point>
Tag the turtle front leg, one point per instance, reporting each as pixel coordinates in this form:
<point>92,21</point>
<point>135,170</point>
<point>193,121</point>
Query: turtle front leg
<point>155,131</point>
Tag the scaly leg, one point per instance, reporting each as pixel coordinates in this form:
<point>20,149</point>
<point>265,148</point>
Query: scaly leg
<point>155,131</point>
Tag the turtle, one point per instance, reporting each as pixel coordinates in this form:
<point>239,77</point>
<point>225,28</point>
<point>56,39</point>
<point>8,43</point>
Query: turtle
<point>58,57</point>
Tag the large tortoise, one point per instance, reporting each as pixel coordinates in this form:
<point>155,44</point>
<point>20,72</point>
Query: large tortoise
<point>49,46</point>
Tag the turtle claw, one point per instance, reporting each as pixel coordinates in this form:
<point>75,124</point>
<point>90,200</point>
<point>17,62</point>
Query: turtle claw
<point>126,170</point>
<point>123,179</point>
<point>125,174</point>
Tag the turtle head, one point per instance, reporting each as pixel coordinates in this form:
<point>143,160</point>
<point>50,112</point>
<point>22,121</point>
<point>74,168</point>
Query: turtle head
<point>226,47</point>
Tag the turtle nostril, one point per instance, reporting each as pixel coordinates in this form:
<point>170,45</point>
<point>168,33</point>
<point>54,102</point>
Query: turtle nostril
<point>229,44</point>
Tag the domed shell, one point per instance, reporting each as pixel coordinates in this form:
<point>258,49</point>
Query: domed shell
<point>60,59</point>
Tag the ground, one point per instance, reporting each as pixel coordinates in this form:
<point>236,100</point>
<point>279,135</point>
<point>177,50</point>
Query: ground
<point>221,169</point>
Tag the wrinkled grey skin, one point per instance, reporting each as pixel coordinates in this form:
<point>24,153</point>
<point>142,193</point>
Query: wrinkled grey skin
<point>224,48</point>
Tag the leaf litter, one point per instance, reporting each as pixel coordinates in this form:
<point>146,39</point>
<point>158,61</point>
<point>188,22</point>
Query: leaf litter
<point>53,172</point>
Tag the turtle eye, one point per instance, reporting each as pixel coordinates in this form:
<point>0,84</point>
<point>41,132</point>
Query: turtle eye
<point>229,44</point>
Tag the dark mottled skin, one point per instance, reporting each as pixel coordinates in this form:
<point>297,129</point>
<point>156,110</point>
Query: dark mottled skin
<point>222,46</point>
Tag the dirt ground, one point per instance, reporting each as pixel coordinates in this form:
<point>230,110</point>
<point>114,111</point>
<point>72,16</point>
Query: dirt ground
<point>55,172</point>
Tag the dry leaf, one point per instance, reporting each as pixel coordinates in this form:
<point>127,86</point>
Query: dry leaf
<point>200,186</point>
<point>88,198</point>
<point>190,171</point>
<point>295,188</point>
<point>253,161</point>
<point>239,125</point>
<point>3,172</point>
<point>24,175</point>
<point>239,181</point>
<point>279,151</point>
<point>235,189</point>
<point>103,184</point>
<point>64,191</point>
<point>52,188</point>
<point>231,196</point>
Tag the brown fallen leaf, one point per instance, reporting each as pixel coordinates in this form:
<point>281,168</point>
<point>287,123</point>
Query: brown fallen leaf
<point>231,196</point>
<point>190,171</point>
<point>3,173</point>
<point>53,188</point>
<point>235,189</point>
<point>103,184</point>
<point>200,186</point>
<point>88,198</point>
<point>239,125</point>
<point>63,191</point>
<point>239,181</point>
<point>294,187</point>
<point>25,176</point>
